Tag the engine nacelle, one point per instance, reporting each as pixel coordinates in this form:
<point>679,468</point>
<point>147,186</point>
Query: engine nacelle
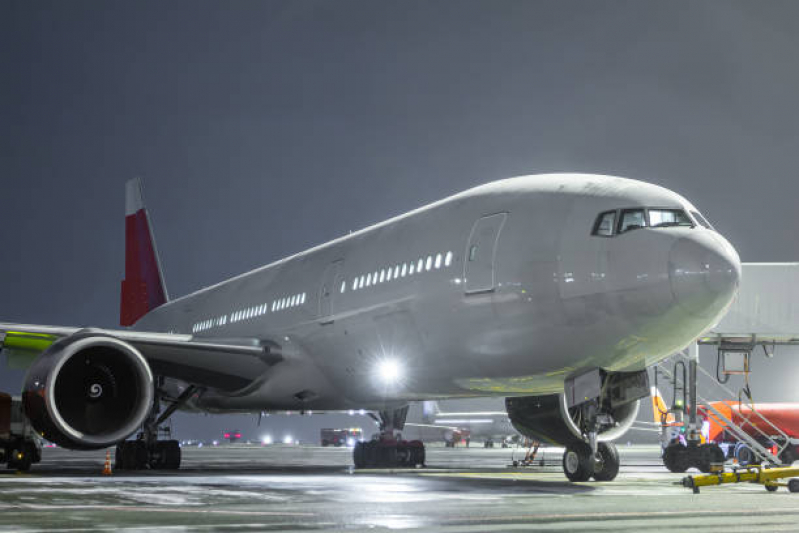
<point>88,391</point>
<point>548,419</point>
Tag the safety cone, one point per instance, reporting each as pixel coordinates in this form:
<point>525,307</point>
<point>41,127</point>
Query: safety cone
<point>107,466</point>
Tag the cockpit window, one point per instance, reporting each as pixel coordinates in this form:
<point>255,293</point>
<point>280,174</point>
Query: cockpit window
<point>702,220</point>
<point>659,218</point>
<point>604,224</point>
<point>632,219</point>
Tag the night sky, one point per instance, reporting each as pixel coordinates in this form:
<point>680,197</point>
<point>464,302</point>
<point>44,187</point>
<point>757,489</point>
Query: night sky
<point>263,128</point>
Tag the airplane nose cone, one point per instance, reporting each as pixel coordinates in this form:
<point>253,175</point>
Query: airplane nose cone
<point>704,270</point>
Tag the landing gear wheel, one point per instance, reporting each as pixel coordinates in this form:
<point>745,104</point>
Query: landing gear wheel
<point>793,485</point>
<point>132,455</point>
<point>675,458</point>
<point>578,465</point>
<point>608,468</point>
<point>20,459</point>
<point>710,455</point>
<point>166,455</point>
<point>359,454</point>
<point>771,488</point>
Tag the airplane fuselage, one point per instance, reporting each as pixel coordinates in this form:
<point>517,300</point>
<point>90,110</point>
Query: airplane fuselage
<point>501,290</point>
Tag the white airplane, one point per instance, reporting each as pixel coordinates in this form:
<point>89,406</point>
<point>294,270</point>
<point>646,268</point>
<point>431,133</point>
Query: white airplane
<point>555,291</point>
<point>483,422</point>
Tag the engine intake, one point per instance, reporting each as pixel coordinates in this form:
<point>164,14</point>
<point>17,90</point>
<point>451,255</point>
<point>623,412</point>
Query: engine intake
<point>548,419</point>
<point>88,391</point>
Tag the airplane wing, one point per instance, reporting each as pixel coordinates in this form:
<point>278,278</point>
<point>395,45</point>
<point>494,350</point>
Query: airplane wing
<point>225,364</point>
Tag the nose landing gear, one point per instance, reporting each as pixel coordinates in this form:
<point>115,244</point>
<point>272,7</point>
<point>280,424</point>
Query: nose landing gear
<point>580,464</point>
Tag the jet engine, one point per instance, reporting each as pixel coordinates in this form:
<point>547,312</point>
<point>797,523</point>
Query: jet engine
<point>88,391</point>
<point>559,419</point>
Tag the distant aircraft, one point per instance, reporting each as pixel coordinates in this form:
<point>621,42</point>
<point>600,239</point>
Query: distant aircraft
<point>555,291</point>
<point>480,425</point>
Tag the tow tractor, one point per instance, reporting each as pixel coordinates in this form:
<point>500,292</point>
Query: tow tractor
<point>20,446</point>
<point>768,477</point>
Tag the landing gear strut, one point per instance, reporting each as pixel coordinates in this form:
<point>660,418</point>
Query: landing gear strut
<point>147,451</point>
<point>389,450</point>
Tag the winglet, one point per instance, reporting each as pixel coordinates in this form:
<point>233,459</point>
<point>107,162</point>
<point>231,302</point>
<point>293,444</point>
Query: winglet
<point>143,288</point>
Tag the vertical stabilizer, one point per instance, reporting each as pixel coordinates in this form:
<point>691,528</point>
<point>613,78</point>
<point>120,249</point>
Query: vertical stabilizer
<point>143,288</point>
<point>429,411</point>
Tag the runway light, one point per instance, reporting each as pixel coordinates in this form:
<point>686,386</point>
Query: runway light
<point>266,439</point>
<point>350,442</point>
<point>351,412</point>
<point>389,371</point>
<point>287,439</point>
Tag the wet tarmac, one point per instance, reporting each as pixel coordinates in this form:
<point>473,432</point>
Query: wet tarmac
<point>286,488</point>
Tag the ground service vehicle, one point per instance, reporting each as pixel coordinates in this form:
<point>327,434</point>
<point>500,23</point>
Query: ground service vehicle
<point>340,437</point>
<point>19,445</point>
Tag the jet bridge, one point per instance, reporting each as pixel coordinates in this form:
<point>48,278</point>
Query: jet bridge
<point>764,315</point>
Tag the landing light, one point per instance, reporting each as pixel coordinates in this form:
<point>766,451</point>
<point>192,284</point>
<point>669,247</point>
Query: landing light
<point>287,439</point>
<point>389,371</point>
<point>266,439</point>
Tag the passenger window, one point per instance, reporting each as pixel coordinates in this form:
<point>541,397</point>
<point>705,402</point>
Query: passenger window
<point>368,280</point>
<point>396,272</point>
<point>362,283</point>
<point>411,269</point>
<point>668,217</point>
<point>448,259</point>
<point>604,224</point>
<point>382,276</point>
<point>702,220</point>
<point>429,262</point>
<point>438,261</point>
<point>419,265</point>
<point>472,252</point>
<point>343,286</point>
<point>632,219</point>
<point>404,269</point>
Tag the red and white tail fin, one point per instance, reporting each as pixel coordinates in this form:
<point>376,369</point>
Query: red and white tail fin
<point>143,288</point>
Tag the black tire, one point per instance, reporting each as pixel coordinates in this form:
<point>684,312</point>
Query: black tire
<point>771,488</point>
<point>359,455</point>
<point>325,442</point>
<point>793,485</point>
<point>609,468</point>
<point>709,454</point>
<point>675,458</point>
<point>121,456</point>
<point>417,453</point>
<point>745,455</point>
<point>578,465</point>
<point>169,455</point>
<point>19,459</point>
<point>387,455</point>
<point>789,455</point>
<point>138,456</point>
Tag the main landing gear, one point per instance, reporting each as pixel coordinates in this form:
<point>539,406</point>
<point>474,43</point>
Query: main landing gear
<point>389,450</point>
<point>580,464</point>
<point>147,451</point>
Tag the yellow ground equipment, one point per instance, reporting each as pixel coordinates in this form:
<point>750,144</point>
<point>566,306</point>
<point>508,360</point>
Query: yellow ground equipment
<point>768,477</point>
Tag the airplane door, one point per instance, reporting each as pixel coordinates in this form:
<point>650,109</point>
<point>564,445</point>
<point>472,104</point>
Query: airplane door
<point>478,268</point>
<point>327,292</point>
